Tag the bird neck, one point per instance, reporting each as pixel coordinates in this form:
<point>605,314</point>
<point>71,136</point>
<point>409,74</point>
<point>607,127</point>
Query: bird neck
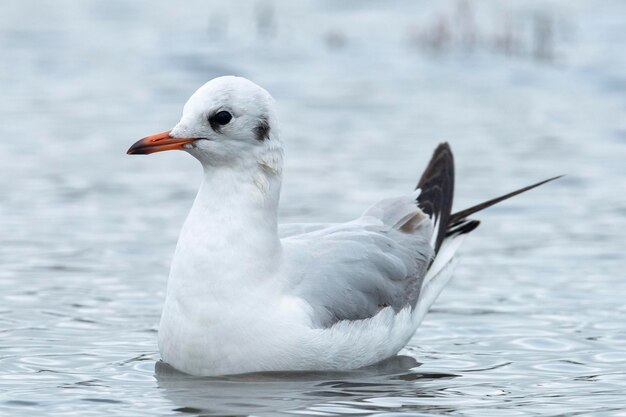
<point>229,246</point>
<point>233,218</point>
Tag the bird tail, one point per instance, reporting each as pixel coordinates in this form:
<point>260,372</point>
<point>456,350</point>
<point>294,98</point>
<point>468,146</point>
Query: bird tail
<point>436,195</point>
<point>435,199</point>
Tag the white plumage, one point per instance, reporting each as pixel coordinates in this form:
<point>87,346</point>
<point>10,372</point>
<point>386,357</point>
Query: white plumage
<point>246,295</point>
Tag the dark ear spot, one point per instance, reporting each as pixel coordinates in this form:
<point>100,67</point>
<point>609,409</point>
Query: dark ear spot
<point>262,130</point>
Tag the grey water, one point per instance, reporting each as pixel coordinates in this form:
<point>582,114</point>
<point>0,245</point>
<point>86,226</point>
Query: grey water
<point>534,322</point>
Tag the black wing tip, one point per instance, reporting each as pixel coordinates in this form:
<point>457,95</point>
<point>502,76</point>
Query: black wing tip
<point>437,189</point>
<point>463,214</point>
<point>443,146</point>
<point>530,187</point>
<point>442,150</point>
<point>463,227</point>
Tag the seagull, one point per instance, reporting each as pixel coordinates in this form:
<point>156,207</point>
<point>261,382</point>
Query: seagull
<point>246,294</point>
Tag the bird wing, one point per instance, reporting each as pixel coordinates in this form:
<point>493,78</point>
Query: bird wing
<point>350,271</point>
<point>399,253</point>
<point>292,229</point>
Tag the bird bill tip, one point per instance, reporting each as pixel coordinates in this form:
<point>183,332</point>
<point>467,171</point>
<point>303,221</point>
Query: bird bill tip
<point>158,143</point>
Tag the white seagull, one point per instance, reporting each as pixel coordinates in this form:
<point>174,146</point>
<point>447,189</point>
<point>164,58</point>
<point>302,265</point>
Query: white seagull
<point>247,295</point>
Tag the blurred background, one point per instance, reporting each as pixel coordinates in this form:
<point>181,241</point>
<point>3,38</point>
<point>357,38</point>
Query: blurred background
<point>535,320</point>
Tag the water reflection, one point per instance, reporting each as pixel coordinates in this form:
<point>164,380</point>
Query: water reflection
<point>362,390</point>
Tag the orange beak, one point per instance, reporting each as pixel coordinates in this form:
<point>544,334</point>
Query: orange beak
<point>157,143</point>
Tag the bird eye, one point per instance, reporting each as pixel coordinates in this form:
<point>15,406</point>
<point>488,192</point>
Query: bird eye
<point>221,118</point>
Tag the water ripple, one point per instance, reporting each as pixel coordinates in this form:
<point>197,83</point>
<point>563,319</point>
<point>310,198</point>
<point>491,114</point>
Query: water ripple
<point>534,322</point>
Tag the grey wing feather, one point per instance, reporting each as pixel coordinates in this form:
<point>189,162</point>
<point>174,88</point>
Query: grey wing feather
<point>292,229</point>
<point>351,271</point>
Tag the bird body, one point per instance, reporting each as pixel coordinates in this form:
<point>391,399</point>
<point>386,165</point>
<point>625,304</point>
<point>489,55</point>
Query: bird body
<point>247,295</point>
<point>270,303</point>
